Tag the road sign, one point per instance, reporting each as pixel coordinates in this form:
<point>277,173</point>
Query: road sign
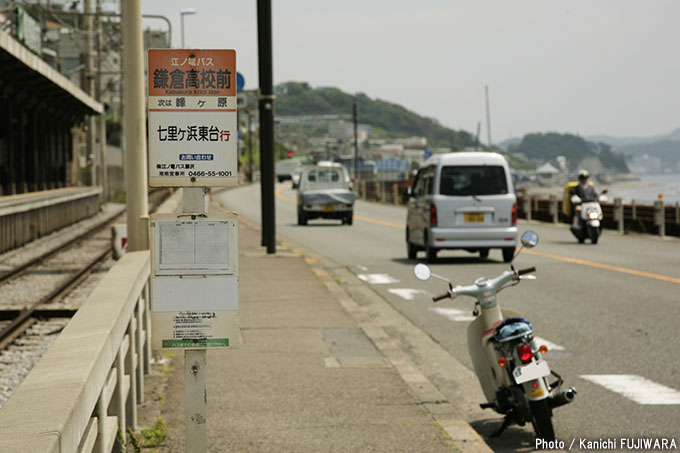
<point>240,82</point>
<point>192,118</point>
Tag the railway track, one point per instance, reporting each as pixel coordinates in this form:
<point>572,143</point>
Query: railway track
<point>39,295</point>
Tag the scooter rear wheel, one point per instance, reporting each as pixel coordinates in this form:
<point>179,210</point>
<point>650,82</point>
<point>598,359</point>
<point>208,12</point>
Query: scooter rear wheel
<point>541,419</point>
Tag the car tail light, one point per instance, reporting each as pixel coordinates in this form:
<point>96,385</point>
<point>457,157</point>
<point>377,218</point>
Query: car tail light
<point>525,353</point>
<point>433,215</point>
<point>514,214</point>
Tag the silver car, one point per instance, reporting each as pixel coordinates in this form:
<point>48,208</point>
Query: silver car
<point>325,192</point>
<point>464,201</point>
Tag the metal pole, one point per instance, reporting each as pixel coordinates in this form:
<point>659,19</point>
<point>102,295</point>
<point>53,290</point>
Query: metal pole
<point>266,105</point>
<point>250,146</point>
<point>89,86</point>
<point>194,201</point>
<point>356,139</point>
<point>134,121</point>
<point>488,115</point>
<point>98,90</point>
<point>182,27</point>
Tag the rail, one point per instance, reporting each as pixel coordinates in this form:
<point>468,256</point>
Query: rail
<point>87,386</point>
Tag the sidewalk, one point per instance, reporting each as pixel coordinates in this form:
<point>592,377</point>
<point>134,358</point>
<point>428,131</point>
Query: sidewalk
<point>309,376</point>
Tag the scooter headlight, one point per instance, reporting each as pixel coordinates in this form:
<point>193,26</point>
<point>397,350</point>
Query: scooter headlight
<point>593,215</point>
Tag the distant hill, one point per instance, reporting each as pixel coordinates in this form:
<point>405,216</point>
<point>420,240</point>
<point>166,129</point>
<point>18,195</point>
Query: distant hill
<point>618,142</point>
<point>577,151</point>
<point>298,98</point>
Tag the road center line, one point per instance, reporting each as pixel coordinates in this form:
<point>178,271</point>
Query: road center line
<point>608,267</point>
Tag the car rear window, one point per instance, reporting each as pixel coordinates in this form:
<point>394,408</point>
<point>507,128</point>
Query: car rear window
<point>323,177</point>
<point>466,180</point>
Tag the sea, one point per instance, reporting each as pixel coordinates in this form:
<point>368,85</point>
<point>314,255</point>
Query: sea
<point>647,189</point>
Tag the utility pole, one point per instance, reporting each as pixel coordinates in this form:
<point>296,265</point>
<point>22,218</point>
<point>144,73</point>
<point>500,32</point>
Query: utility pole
<point>250,145</point>
<point>266,106</point>
<point>488,115</point>
<point>89,87</point>
<point>356,138</point>
<point>98,89</point>
<point>134,121</point>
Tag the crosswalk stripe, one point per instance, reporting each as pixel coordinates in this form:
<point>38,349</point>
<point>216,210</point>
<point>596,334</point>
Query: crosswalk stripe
<point>378,279</point>
<point>636,388</point>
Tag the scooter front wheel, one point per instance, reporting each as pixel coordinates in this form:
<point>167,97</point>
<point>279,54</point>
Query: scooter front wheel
<point>541,419</point>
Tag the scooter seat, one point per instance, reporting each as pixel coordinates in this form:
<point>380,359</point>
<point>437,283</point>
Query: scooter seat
<point>512,328</point>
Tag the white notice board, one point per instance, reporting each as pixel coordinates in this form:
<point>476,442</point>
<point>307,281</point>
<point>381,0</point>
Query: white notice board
<point>186,247</point>
<point>194,281</point>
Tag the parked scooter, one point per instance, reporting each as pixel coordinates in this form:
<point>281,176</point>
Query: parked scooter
<point>508,360</point>
<point>587,221</point>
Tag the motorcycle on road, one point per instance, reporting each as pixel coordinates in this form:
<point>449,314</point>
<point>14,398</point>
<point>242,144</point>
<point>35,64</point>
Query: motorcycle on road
<point>588,217</point>
<point>508,360</point>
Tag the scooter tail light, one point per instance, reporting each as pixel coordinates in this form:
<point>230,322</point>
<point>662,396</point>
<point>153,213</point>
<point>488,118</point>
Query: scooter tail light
<point>502,361</point>
<point>514,214</point>
<point>433,215</point>
<point>525,353</point>
<point>543,349</point>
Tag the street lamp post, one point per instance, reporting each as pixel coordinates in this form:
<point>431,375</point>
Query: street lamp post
<point>182,13</point>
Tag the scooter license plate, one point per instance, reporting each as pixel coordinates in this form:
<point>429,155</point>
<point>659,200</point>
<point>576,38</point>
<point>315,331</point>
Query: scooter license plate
<point>530,372</point>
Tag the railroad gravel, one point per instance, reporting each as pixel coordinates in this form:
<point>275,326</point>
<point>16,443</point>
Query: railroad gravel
<point>21,356</point>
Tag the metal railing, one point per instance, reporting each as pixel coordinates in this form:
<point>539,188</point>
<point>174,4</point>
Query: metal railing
<point>83,393</point>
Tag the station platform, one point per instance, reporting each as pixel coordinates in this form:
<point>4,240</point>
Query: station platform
<point>307,377</point>
<point>29,216</point>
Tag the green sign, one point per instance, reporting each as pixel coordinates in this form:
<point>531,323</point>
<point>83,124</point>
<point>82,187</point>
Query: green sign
<point>202,343</point>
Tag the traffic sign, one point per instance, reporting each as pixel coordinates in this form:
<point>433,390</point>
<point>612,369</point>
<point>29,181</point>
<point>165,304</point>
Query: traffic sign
<point>192,117</point>
<point>240,82</point>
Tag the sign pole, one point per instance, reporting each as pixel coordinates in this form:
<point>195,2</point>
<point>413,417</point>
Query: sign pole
<point>194,201</point>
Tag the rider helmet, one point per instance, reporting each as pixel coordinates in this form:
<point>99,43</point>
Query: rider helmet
<point>583,174</point>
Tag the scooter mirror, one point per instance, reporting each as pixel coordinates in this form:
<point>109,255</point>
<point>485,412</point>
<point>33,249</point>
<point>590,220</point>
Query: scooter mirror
<point>422,272</point>
<point>529,239</point>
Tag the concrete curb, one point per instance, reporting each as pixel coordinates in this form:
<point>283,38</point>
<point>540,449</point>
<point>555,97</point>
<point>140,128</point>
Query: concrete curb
<point>463,436</point>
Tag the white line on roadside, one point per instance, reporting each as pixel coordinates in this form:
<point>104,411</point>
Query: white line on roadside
<point>406,293</point>
<point>453,314</point>
<point>551,346</point>
<point>362,268</point>
<point>636,388</point>
<point>378,279</point>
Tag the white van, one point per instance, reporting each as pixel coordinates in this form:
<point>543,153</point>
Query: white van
<point>462,200</point>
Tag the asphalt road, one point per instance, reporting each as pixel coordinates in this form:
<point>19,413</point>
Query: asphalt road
<point>609,311</point>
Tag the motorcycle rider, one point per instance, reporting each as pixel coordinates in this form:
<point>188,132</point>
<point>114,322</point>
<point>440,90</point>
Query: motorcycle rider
<point>585,190</point>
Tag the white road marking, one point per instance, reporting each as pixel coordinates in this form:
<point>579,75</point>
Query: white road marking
<point>453,314</point>
<point>551,346</point>
<point>378,279</point>
<point>406,293</point>
<point>362,268</point>
<point>636,388</point>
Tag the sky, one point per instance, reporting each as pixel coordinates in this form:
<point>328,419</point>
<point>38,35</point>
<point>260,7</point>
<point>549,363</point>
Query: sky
<point>571,66</point>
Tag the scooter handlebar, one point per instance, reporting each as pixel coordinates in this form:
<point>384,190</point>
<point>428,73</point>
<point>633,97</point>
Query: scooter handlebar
<point>528,270</point>
<point>440,297</point>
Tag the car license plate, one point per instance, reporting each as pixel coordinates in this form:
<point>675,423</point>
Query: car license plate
<point>328,208</point>
<point>474,217</point>
<point>530,372</point>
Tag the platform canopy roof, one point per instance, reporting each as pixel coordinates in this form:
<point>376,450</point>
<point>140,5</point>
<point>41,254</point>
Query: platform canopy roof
<point>26,77</point>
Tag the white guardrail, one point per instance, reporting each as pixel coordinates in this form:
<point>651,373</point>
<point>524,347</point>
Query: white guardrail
<point>89,382</point>
<point>83,394</point>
